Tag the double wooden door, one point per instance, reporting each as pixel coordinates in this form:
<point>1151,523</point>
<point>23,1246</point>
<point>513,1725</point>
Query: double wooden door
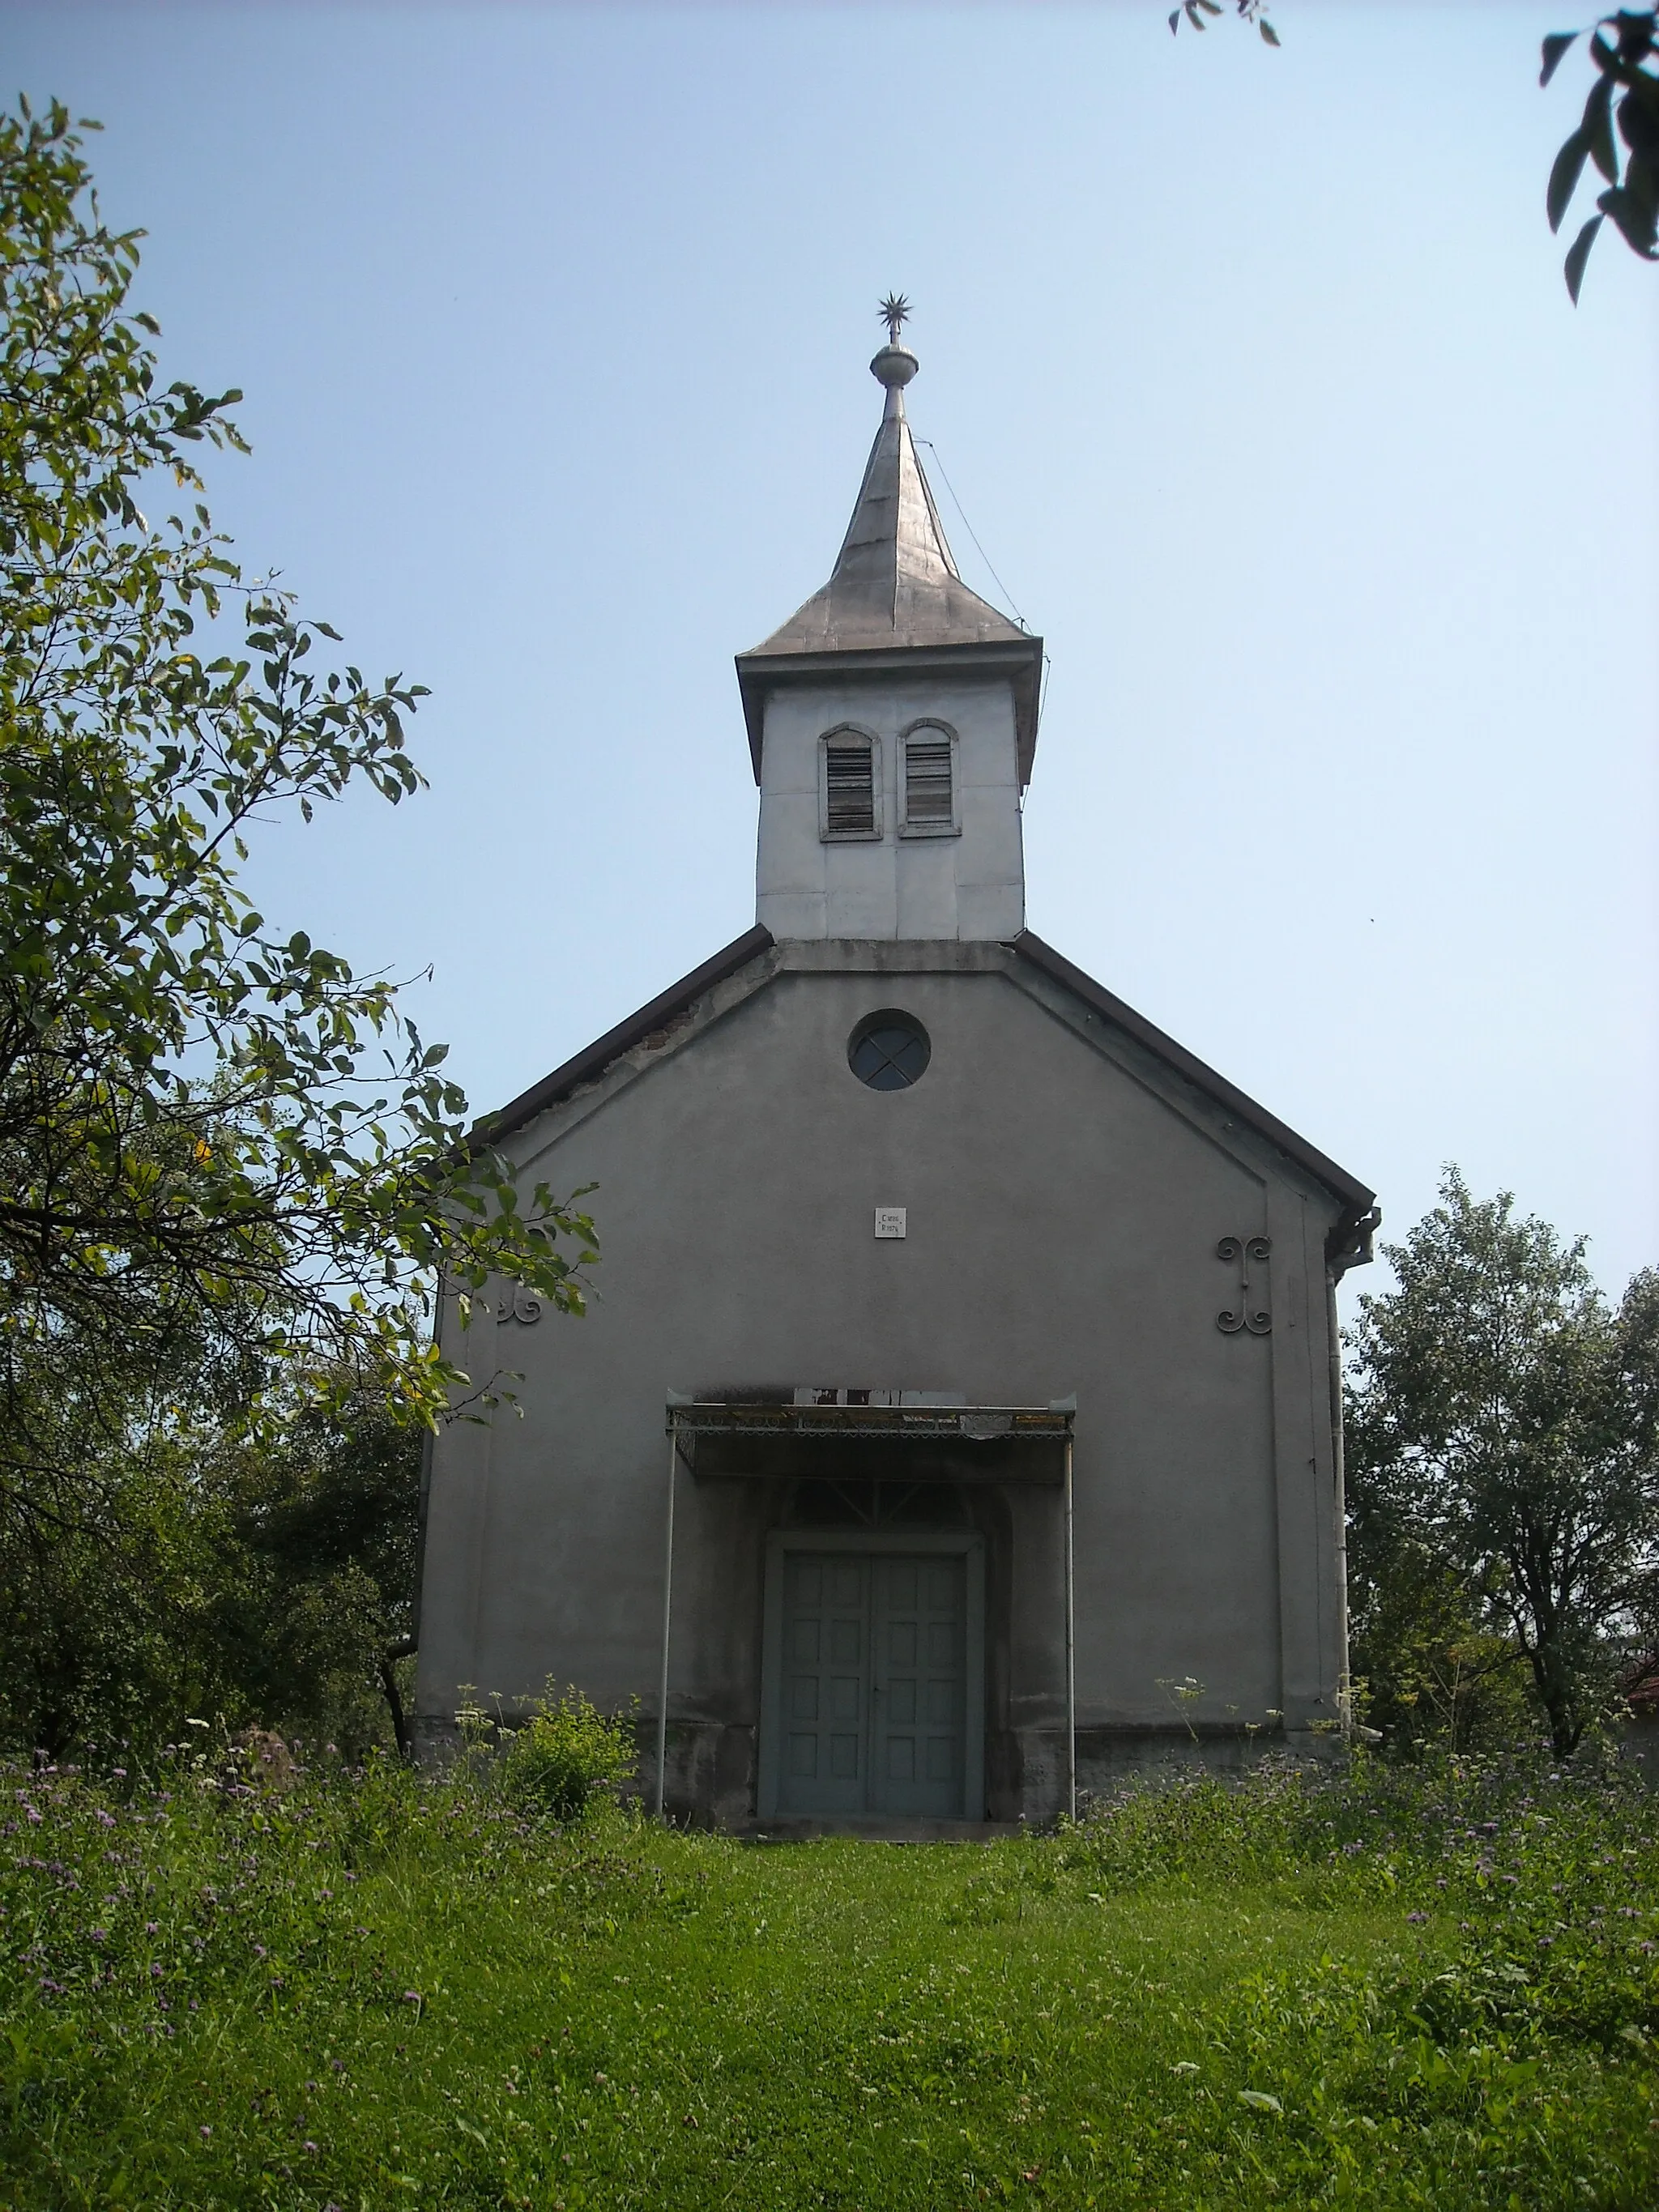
<point>873,1691</point>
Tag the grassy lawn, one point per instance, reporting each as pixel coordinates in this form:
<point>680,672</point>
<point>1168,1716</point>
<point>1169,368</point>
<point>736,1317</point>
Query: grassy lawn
<point>365,1991</point>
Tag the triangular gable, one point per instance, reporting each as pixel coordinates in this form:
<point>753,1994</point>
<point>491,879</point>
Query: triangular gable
<point>1349,1240</point>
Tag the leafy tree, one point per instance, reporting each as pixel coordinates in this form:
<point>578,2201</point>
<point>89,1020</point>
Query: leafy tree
<point>106,1633</point>
<point>1622,104</point>
<point>1429,1665</point>
<point>212,1133</point>
<point>110,1545</point>
<point>169,1558</point>
<point>317,1619</point>
<point>1504,1455</point>
<point>201,1565</point>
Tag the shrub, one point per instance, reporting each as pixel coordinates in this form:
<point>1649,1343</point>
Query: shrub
<point>565,1755</point>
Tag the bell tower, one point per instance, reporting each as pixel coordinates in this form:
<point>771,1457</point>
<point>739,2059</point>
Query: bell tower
<point>892,723</point>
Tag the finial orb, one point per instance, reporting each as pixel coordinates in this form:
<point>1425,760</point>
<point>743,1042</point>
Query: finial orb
<point>894,365</point>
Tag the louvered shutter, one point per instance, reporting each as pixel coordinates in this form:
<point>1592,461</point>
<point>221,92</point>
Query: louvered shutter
<point>849,787</point>
<point>927,794</point>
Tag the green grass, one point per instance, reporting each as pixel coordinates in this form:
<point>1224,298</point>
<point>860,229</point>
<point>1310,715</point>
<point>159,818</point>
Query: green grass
<point>365,1991</point>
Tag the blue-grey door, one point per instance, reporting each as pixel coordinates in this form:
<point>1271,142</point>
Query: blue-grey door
<point>918,1681</point>
<point>874,1649</point>
<point>826,1682</point>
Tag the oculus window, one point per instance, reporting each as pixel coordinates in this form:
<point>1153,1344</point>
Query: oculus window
<point>849,784</point>
<point>889,1050</point>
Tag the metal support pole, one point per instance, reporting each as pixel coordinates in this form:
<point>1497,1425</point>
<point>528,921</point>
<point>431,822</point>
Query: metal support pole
<point>667,1618</point>
<point>1339,1470</point>
<point>1071,1650</point>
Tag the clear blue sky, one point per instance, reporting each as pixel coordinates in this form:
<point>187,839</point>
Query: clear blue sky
<point>1254,371</point>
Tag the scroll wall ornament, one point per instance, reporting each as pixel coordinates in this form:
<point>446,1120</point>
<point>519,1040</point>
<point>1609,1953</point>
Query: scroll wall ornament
<point>517,1303</point>
<point>1253,1312</point>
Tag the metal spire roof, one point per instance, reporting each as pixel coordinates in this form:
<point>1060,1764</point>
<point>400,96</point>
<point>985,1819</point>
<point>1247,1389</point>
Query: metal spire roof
<point>894,582</point>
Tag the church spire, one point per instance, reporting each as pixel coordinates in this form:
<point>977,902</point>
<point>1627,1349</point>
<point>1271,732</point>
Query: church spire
<point>895,583</point>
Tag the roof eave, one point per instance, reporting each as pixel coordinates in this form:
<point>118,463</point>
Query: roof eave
<point>759,671</point>
<point>591,1061</point>
<point>1356,1198</point>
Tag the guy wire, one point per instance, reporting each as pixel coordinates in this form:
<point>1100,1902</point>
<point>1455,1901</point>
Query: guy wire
<point>1007,595</point>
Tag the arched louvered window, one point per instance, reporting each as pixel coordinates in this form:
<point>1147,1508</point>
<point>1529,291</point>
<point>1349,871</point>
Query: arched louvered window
<point>928,766</point>
<point>850,785</point>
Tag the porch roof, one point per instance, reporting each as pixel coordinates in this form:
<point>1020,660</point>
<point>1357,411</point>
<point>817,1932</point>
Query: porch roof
<point>910,1443</point>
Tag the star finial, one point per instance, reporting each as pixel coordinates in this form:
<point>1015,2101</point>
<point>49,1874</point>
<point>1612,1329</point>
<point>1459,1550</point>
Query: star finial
<point>895,311</point>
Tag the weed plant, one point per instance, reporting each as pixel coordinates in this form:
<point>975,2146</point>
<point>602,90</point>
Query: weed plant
<point>556,1759</point>
<point>231,1982</point>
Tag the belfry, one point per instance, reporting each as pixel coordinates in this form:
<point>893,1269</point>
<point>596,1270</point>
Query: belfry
<point>965,1372</point>
<point>925,842</point>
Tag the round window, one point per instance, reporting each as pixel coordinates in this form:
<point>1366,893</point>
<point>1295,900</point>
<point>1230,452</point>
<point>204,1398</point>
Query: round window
<point>890,1051</point>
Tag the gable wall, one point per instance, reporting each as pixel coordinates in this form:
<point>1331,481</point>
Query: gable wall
<point>1063,1217</point>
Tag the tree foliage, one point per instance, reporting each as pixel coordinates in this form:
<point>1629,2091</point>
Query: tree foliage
<point>213,1137</point>
<point>317,1615</point>
<point>195,1565</point>
<point>1248,11</point>
<point>1504,1461</point>
<point>1618,134</point>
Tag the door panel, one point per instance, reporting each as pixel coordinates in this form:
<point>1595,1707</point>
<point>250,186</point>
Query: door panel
<point>826,1635</point>
<point>875,1678</point>
<point>918,1685</point>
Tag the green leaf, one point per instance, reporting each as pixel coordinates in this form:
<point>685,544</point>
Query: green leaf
<point>1556,47</point>
<point>1568,168</point>
<point>1267,32</point>
<point>1577,255</point>
<point>1638,118</point>
<point>1634,213</point>
<point>1598,129</point>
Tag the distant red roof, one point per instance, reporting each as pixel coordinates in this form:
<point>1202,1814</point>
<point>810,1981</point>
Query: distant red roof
<point>1640,1685</point>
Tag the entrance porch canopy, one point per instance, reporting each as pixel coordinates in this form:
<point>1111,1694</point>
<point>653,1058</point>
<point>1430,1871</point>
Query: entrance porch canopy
<point>909,1443</point>
<point>762,1436</point>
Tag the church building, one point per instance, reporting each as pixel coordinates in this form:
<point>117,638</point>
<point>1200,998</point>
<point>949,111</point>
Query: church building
<point>959,1419</point>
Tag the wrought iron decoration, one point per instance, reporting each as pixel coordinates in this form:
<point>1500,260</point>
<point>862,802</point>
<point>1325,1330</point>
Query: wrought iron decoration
<point>517,1303</point>
<point>1252,1312</point>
